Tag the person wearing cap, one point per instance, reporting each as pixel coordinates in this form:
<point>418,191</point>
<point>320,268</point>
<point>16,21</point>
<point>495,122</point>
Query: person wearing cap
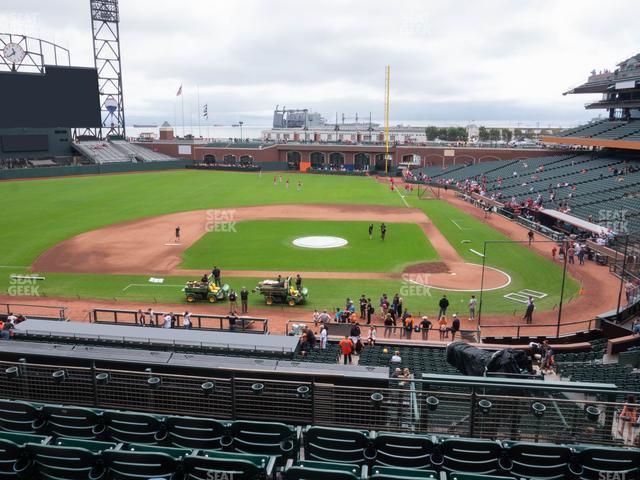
<point>425,326</point>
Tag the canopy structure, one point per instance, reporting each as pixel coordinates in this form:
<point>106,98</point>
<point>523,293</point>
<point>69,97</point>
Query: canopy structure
<point>575,221</point>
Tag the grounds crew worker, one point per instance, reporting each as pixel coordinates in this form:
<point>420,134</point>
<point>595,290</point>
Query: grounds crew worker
<point>216,275</point>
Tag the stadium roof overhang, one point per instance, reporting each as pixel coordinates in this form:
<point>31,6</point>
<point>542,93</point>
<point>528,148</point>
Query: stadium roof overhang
<point>575,221</point>
<point>592,142</point>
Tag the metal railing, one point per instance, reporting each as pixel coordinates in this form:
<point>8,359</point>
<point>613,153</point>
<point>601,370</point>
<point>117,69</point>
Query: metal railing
<point>199,321</point>
<point>435,404</point>
<point>46,312</point>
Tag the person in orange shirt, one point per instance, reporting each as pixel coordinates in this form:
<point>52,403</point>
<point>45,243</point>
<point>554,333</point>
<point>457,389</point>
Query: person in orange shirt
<point>443,327</point>
<point>346,346</point>
<point>628,418</point>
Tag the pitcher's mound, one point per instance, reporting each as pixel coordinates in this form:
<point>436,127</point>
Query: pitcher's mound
<point>320,242</point>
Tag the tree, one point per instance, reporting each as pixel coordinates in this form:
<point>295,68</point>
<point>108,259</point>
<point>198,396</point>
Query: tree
<point>494,134</point>
<point>517,133</point>
<point>483,134</point>
<point>431,132</point>
<point>506,134</point>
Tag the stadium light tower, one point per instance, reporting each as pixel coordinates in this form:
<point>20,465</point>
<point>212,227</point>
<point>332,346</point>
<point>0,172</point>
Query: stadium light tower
<point>105,24</point>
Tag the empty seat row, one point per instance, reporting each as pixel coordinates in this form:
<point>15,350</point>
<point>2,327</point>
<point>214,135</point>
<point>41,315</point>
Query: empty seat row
<point>24,456</point>
<point>276,439</point>
<point>476,456</point>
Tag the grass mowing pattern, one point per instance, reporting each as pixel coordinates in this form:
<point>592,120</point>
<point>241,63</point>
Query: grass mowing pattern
<point>267,245</point>
<point>39,214</point>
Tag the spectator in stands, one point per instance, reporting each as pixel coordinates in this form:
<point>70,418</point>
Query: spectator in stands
<point>167,320</point>
<point>442,327</point>
<point>635,328</point>
<point>455,326</point>
<point>370,310</point>
<point>186,321</point>
<point>528,313</point>
<point>232,318</point>
<point>7,329</point>
<point>324,335</point>
<point>388,325</point>
<point>346,347</point>
<point>371,336</point>
<point>628,419</point>
<point>629,290</point>
<point>311,337</point>
<point>396,359</point>
<point>548,356</point>
<point>324,318</point>
<point>363,306</point>
<point>425,326</point>
<point>443,304</point>
<point>354,333</point>
<point>152,317</point>
<point>408,325</point>
<point>316,317</point>
<point>140,317</point>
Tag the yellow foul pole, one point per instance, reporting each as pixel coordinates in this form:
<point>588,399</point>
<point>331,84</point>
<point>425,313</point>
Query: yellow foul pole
<point>387,80</point>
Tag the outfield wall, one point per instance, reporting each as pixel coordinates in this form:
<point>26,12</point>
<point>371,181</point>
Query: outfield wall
<point>39,172</point>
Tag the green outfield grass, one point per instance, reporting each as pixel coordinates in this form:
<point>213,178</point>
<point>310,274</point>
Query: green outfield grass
<point>323,293</point>
<point>39,214</point>
<point>267,245</point>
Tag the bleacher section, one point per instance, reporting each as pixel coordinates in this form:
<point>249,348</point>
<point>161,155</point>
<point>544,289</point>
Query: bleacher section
<point>418,360</point>
<point>141,153</point>
<point>117,151</point>
<point>584,182</point>
<point>66,442</point>
<point>606,130</point>
<point>98,151</point>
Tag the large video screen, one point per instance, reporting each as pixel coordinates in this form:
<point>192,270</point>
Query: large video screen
<point>62,97</point>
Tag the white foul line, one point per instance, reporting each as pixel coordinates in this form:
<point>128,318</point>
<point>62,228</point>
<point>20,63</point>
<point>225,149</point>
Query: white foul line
<point>477,253</point>
<point>145,285</point>
<point>456,224</point>
<point>401,196</point>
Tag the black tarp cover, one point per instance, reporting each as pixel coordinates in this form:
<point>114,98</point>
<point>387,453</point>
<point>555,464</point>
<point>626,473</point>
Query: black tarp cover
<point>471,360</point>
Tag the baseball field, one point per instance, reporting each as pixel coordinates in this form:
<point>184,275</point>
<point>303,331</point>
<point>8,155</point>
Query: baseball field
<point>105,237</point>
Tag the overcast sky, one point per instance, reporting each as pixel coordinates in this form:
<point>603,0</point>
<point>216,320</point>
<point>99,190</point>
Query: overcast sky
<point>460,60</point>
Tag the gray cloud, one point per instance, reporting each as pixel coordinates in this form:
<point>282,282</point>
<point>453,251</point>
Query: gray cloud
<point>451,60</point>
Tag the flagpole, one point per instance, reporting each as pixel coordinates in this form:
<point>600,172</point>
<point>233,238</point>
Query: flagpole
<point>199,113</point>
<point>182,100</point>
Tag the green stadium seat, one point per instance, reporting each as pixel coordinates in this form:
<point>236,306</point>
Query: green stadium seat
<point>17,416</point>
<point>134,465</point>
<point>310,470</point>
<point>395,473</point>
<point>338,445</point>
<point>528,460</point>
<point>91,445</point>
<point>12,451</point>
<point>228,466</point>
<point>193,432</point>
<point>176,453</point>
<point>52,462</point>
<point>411,451</point>
<point>74,422</point>
<point>467,456</point>
<point>595,463</point>
<point>276,439</point>
<point>475,476</point>
<point>129,427</point>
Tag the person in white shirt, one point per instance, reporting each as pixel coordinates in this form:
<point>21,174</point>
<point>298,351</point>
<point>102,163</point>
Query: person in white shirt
<point>167,321</point>
<point>472,307</point>
<point>316,317</point>
<point>323,337</point>
<point>186,320</point>
<point>371,337</point>
<point>12,318</point>
<point>152,317</point>
<point>396,358</point>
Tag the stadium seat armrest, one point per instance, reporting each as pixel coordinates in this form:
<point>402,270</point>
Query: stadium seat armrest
<point>288,464</point>
<point>364,472</point>
<point>270,468</point>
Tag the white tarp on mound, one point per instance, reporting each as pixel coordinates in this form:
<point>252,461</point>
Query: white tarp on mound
<point>320,242</point>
